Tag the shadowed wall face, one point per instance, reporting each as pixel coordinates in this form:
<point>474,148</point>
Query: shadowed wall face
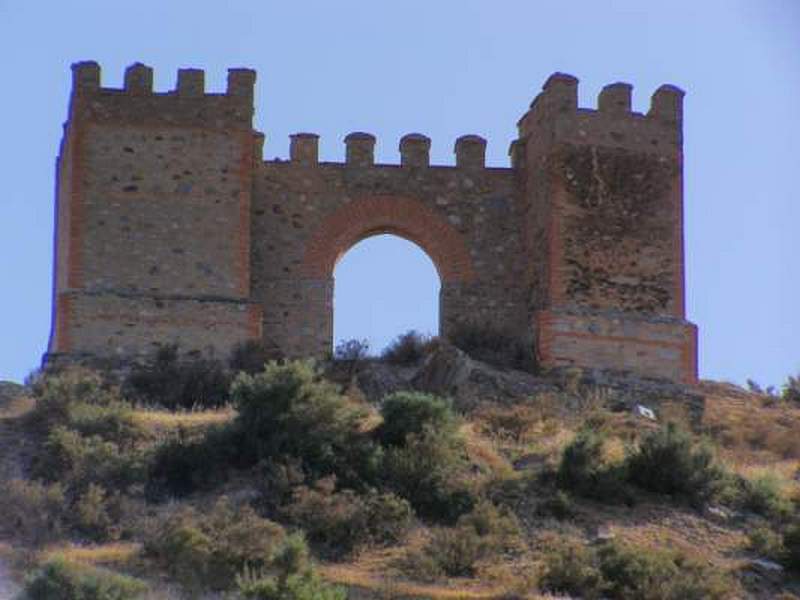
<point>172,229</point>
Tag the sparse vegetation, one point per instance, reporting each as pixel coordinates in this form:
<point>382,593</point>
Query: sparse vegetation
<point>485,532</point>
<point>250,357</point>
<point>351,351</point>
<point>585,469</point>
<point>668,461</point>
<point>791,390</point>
<point>342,521</point>
<point>207,550</point>
<point>409,413</point>
<point>174,381</point>
<point>791,545</point>
<point>37,512</point>
<point>485,343</point>
<point>427,470</point>
<point>59,579</point>
<point>616,570</point>
<point>408,348</point>
<point>150,487</point>
<point>288,410</point>
<point>296,580</point>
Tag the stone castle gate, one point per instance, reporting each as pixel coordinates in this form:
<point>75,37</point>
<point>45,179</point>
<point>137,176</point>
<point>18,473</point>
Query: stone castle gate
<point>171,228</point>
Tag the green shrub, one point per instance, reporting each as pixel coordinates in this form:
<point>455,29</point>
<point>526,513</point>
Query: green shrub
<point>184,464</point>
<point>766,542</point>
<point>95,513</point>
<point>56,393</point>
<point>764,495</point>
<point>37,513</point>
<point>78,461</point>
<point>570,568</point>
<point>113,421</point>
<point>619,570</point>
<point>174,381</point>
<point>207,550</point>
<point>791,390</point>
<point>408,348</point>
<point>351,351</point>
<point>669,462</point>
<point>250,357</point>
<point>285,414</point>
<point>59,579</point>
<point>296,579</point>
<point>407,413</point>
<point>584,470</point>
<point>559,505</point>
<point>490,345</point>
<point>303,586</point>
<point>342,521</point>
<point>791,544</point>
<point>483,534</point>
<point>428,472</point>
<point>287,410</point>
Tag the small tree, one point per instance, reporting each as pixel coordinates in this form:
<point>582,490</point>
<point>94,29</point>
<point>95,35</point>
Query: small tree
<point>584,470</point>
<point>791,389</point>
<point>288,410</point>
<point>405,413</point>
<point>669,462</point>
<point>408,348</point>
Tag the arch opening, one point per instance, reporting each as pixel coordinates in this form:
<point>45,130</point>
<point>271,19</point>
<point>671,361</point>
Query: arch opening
<point>384,285</point>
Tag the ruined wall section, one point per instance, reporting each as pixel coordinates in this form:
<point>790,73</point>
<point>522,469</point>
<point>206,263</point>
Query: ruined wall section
<point>157,242</point>
<point>306,214</point>
<point>605,193</point>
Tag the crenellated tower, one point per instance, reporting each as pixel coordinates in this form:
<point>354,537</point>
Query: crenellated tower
<point>153,215</point>
<point>604,230</point>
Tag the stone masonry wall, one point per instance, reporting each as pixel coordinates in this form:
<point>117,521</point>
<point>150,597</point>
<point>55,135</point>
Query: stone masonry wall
<point>606,194</point>
<point>154,216</point>
<point>307,215</point>
<point>170,227</point>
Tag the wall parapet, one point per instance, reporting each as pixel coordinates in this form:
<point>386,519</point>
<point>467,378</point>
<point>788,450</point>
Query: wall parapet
<point>556,108</point>
<point>188,102</point>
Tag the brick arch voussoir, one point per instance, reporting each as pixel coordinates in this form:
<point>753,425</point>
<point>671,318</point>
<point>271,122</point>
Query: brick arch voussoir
<point>398,215</point>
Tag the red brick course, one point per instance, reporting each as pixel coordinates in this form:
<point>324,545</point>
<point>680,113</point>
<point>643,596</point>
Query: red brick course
<point>400,216</point>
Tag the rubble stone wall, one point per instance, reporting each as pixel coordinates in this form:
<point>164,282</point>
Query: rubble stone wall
<point>171,227</point>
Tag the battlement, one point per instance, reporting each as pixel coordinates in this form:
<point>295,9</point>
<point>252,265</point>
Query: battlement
<point>556,109</point>
<point>414,149</point>
<point>187,102</point>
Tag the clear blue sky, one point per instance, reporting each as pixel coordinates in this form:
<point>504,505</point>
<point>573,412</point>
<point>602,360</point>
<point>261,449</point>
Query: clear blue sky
<point>443,68</point>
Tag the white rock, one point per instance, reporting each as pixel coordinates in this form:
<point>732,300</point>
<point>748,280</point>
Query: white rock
<point>642,411</point>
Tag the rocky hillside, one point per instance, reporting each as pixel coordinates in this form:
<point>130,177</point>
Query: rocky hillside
<point>424,474</point>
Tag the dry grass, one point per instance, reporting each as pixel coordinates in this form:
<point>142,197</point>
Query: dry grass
<point>101,554</point>
<point>753,429</point>
<point>383,586</point>
<point>530,431</point>
<point>483,452</point>
<point>17,407</point>
<point>166,420</point>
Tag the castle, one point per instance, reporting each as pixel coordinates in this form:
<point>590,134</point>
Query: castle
<point>170,226</point>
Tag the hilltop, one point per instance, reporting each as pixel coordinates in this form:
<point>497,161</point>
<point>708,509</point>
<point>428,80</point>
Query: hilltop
<point>430,472</point>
